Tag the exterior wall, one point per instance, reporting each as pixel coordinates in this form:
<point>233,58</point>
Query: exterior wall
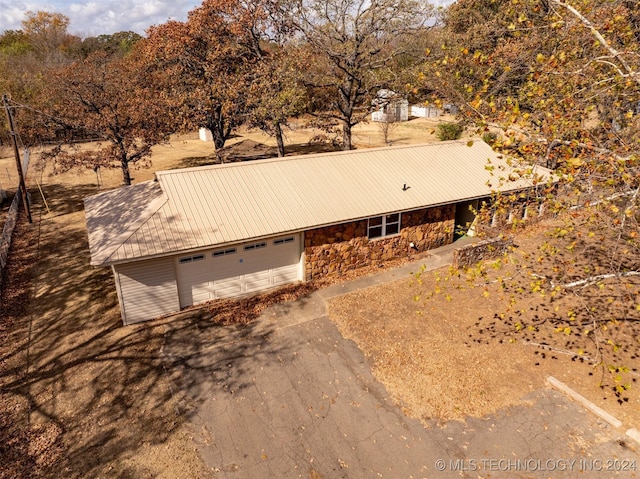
<point>393,112</point>
<point>146,289</point>
<point>425,111</point>
<point>205,134</point>
<point>340,248</point>
<point>471,254</point>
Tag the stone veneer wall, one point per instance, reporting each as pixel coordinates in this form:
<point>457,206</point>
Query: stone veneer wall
<point>470,254</point>
<point>339,248</point>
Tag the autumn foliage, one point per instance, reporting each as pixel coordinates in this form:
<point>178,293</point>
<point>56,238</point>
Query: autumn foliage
<point>557,83</point>
<point>550,82</point>
<point>116,103</point>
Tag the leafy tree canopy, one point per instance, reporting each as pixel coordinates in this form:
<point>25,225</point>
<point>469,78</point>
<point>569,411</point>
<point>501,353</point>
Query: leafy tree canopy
<point>14,43</point>
<point>120,43</point>
<point>209,62</point>
<point>116,102</point>
<point>275,95</point>
<point>558,83</point>
<point>48,35</point>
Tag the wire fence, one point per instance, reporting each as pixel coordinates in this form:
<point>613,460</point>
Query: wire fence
<point>10,225</point>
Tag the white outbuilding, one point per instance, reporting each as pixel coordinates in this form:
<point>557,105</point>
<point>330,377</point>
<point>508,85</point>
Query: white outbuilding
<point>388,106</point>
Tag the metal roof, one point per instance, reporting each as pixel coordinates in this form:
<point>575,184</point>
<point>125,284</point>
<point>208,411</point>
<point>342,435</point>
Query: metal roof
<point>193,208</point>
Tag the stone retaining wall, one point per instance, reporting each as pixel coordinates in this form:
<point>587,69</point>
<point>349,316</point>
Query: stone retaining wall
<point>335,249</point>
<point>471,254</point>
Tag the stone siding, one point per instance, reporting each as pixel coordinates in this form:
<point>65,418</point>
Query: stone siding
<point>471,254</point>
<point>333,250</point>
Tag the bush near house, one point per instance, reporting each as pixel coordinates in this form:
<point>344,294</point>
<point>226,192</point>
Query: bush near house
<point>490,137</point>
<point>449,131</point>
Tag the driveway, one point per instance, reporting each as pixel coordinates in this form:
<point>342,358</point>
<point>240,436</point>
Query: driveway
<point>289,397</point>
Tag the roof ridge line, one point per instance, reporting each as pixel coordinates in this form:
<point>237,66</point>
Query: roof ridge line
<point>283,159</point>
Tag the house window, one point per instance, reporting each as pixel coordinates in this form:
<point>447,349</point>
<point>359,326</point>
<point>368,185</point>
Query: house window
<point>224,252</point>
<point>381,226</point>
<point>255,246</point>
<point>191,259</point>
<point>289,239</point>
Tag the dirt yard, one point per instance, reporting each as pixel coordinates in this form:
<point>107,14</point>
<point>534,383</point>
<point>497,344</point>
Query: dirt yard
<point>476,347</point>
<point>82,396</point>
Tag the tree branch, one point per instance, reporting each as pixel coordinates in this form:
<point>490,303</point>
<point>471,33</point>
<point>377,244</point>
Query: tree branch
<point>615,53</point>
<point>588,281</point>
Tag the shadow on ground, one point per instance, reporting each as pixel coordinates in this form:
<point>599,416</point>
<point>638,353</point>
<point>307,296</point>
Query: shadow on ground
<point>194,161</point>
<point>104,394</point>
<point>62,200</point>
<point>309,148</point>
<point>249,150</point>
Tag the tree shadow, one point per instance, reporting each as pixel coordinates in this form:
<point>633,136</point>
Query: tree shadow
<point>311,148</point>
<point>5,203</point>
<point>249,150</point>
<point>63,200</point>
<point>109,391</point>
<point>195,161</point>
<point>215,345</point>
<point>246,150</point>
<point>556,308</point>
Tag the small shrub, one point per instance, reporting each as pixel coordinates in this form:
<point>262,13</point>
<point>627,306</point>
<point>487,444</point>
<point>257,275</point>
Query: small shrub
<point>489,137</point>
<point>449,131</point>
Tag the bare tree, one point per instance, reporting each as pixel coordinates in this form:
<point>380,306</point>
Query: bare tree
<point>387,126</point>
<point>352,42</point>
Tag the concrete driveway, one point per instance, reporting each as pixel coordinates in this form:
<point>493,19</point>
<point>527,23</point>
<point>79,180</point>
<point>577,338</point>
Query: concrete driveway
<point>289,397</point>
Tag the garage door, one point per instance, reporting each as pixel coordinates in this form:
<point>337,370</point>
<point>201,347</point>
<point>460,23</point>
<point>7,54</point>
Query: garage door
<point>237,270</point>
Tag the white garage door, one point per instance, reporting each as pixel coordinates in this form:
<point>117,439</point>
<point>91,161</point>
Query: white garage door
<point>238,270</point>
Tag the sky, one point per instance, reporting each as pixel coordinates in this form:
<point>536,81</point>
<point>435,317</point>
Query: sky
<point>97,17</point>
<point>91,18</point>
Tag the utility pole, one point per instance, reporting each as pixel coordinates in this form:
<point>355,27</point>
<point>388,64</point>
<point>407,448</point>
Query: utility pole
<point>16,153</point>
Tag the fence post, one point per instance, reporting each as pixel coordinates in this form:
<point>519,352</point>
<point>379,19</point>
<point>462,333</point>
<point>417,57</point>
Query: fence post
<point>16,153</point>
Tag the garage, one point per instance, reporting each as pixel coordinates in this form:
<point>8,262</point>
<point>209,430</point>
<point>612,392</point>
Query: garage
<point>238,269</point>
<point>229,230</point>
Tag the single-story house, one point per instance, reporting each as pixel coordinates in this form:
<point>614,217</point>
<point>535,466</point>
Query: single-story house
<point>388,106</point>
<point>197,234</point>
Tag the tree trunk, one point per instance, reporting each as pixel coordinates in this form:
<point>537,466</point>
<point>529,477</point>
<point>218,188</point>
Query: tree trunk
<point>218,127</point>
<point>219,138</point>
<point>279,139</point>
<point>346,136</point>
<point>126,176</point>
<point>345,107</point>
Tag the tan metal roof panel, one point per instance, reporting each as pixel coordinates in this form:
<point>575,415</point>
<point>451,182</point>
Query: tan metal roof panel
<point>220,204</point>
<point>113,217</point>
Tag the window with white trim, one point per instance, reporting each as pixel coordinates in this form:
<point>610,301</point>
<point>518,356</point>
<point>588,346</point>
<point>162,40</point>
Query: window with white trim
<point>255,246</point>
<point>381,226</point>
<point>191,259</point>
<point>224,252</point>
